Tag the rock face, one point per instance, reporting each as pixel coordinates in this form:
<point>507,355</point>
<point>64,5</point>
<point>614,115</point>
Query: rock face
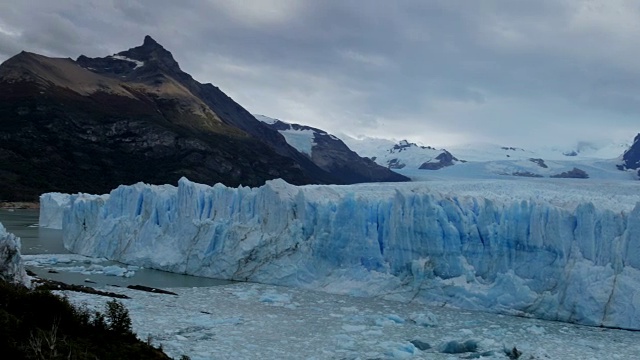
<point>526,174</point>
<point>11,265</point>
<point>539,161</point>
<point>331,154</point>
<point>631,157</point>
<point>574,173</point>
<point>92,124</point>
<point>443,160</point>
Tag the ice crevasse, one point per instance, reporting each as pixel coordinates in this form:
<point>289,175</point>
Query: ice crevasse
<point>530,255</point>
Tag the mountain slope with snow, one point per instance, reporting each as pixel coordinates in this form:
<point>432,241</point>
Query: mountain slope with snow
<point>483,160</point>
<point>560,250</point>
<point>94,123</point>
<point>401,154</point>
<point>331,154</point>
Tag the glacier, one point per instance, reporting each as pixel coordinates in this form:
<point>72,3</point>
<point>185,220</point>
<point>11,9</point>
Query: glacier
<point>52,209</point>
<point>11,264</point>
<point>565,250</point>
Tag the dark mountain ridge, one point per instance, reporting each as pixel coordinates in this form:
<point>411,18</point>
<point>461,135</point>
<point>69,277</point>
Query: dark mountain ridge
<point>631,157</point>
<point>92,124</point>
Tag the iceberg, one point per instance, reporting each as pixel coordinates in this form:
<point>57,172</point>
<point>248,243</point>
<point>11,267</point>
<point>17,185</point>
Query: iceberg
<point>11,265</point>
<point>562,251</point>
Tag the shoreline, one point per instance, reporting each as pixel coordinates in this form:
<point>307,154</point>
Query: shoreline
<point>19,205</point>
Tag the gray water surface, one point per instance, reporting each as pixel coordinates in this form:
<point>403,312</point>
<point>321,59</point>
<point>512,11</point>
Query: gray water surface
<point>36,240</point>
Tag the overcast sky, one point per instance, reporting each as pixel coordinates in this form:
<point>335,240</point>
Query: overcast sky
<point>439,72</point>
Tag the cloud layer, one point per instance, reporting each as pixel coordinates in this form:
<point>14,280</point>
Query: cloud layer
<point>517,72</point>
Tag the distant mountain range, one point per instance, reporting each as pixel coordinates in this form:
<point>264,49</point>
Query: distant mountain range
<point>583,160</point>
<point>481,160</point>
<point>402,154</point>
<point>94,123</point>
<point>330,153</point>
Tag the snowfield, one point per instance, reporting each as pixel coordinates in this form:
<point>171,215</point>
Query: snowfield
<point>565,250</point>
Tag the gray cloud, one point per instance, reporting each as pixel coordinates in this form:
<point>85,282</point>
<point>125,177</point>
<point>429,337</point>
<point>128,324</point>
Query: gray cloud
<point>508,71</point>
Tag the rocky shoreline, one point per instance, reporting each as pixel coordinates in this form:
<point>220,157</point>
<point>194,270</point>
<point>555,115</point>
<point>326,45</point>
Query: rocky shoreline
<point>19,205</point>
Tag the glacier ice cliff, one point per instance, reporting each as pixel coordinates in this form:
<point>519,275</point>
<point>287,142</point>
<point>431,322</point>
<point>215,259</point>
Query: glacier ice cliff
<point>11,264</point>
<point>52,209</point>
<point>558,252</point>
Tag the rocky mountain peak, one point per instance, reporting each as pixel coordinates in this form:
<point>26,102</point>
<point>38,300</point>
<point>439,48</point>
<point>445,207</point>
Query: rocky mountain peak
<point>631,157</point>
<point>152,51</point>
<point>149,42</point>
<point>142,61</point>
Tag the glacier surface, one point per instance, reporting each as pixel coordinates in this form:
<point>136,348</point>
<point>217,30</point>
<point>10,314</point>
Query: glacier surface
<point>565,251</point>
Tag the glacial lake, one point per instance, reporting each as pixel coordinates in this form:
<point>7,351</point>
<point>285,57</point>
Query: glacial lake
<point>42,241</point>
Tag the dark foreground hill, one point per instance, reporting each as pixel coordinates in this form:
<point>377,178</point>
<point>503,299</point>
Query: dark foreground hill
<point>36,324</point>
<point>92,124</point>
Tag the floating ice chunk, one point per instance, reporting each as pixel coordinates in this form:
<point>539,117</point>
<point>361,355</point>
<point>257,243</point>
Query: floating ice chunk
<point>114,270</point>
<point>53,259</point>
<point>245,295</point>
<point>399,350</point>
<point>354,328</point>
<point>386,320</point>
<point>538,330</point>
<point>345,341</point>
<point>272,297</point>
<point>424,319</point>
<point>395,318</point>
<point>458,347</point>
<point>421,345</point>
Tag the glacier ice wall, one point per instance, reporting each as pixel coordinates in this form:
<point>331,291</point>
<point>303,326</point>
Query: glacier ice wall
<point>11,264</point>
<point>52,209</point>
<point>538,254</point>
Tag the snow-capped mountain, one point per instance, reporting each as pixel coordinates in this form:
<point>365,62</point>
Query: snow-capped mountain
<point>331,154</point>
<point>94,123</point>
<point>401,154</point>
<point>485,160</point>
<point>581,151</point>
<point>91,124</point>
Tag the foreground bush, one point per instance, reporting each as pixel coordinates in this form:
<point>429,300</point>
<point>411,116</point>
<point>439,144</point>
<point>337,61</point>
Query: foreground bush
<point>36,324</point>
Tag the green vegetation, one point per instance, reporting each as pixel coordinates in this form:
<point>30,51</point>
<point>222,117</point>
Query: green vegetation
<point>36,324</point>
